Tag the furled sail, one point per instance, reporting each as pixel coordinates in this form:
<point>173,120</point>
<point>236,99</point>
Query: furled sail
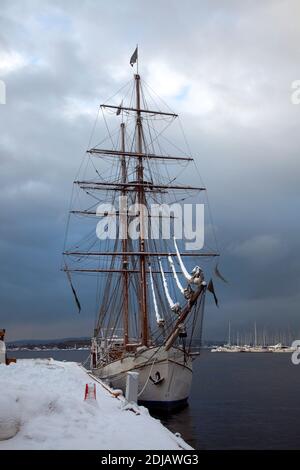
<point>211,289</point>
<point>183,269</point>
<point>180,287</point>
<point>187,291</point>
<point>175,307</point>
<point>197,276</point>
<point>159,319</point>
<point>73,290</point>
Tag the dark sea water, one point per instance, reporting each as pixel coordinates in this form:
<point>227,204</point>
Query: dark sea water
<point>238,401</point>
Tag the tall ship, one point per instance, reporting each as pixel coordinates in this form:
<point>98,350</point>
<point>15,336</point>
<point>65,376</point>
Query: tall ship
<point>131,247</point>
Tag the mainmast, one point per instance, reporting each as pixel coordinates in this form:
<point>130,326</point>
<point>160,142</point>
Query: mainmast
<point>124,239</point>
<point>141,202</point>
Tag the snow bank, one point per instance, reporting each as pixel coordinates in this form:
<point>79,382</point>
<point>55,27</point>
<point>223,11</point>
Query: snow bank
<point>42,406</point>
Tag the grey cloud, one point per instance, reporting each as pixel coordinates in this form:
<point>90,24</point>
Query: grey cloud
<point>243,56</point>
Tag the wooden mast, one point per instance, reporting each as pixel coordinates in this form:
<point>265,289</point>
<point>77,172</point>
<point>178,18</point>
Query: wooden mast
<point>124,241</point>
<point>141,202</point>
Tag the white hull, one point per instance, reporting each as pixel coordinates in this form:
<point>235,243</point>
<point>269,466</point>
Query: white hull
<point>169,369</point>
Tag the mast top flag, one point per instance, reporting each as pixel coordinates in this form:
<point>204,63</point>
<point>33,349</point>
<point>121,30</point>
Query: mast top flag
<point>134,57</point>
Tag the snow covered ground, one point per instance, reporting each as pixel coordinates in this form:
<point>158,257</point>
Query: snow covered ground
<point>44,400</point>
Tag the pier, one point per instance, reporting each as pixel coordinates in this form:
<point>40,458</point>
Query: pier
<point>43,406</point>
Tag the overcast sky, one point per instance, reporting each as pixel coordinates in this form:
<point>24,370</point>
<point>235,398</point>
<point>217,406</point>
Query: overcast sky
<point>227,68</point>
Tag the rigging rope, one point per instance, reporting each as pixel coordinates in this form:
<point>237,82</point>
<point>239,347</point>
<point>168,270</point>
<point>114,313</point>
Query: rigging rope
<point>146,383</point>
<point>183,269</point>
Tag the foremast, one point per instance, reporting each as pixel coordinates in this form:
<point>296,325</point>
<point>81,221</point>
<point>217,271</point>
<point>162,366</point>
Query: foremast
<point>141,202</point>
